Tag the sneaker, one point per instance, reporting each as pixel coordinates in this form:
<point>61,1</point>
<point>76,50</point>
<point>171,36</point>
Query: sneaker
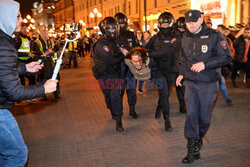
<point>229,102</point>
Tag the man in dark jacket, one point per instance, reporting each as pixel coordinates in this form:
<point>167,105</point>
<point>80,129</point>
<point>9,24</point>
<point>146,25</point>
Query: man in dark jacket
<point>164,48</point>
<point>204,52</point>
<point>13,151</point>
<point>242,58</point>
<point>107,68</point>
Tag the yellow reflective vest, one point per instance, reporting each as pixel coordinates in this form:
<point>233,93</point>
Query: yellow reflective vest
<point>24,48</point>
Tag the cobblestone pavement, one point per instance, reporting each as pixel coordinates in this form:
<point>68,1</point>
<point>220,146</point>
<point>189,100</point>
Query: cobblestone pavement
<point>77,130</point>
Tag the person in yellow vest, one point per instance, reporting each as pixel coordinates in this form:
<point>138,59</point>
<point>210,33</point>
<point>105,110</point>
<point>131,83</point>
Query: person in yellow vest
<point>72,50</point>
<point>24,54</point>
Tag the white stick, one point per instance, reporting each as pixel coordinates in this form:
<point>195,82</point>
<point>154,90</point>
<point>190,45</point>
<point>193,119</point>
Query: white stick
<point>59,61</point>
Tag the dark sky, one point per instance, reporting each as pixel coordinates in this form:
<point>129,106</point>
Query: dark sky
<point>26,6</point>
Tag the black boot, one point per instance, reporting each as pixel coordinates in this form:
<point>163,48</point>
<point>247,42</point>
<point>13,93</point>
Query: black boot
<point>168,126</point>
<point>158,113</point>
<point>119,127</point>
<point>182,108</point>
<point>132,112</point>
<point>112,115</point>
<point>191,155</point>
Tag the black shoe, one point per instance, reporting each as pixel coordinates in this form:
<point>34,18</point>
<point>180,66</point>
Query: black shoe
<point>132,112</point>
<point>119,127</point>
<point>191,155</point>
<point>182,108</point>
<point>229,102</point>
<point>168,126</point>
<point>158,113</point>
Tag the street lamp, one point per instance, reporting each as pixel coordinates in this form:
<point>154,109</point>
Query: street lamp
<point>30,21</point>
<point>95,14</point>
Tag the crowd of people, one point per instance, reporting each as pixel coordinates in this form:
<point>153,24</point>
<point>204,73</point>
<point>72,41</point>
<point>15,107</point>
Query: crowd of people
<point>186,53</point>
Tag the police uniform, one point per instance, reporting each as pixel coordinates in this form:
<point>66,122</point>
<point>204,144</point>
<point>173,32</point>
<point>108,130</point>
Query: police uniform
<point>23,48</point>
<point>107,68</point>
<point>166,53</point>
<point>211,48</point>
<point>127,40</point>
<point>72,53</point>
<point>164,49</point>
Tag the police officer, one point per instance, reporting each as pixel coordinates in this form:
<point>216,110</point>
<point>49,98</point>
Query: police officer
<point>204,52</point>
<point>181,29</point>
<point>72,50</point>
<point>24,54</point>
<point>107,68</point>
<point>164,48</point>
<point>127,40</point>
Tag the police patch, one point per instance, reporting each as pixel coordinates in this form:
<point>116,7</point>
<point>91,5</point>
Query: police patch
<point>223,44</point>
<point>106,48</point>
<point>204,48</point>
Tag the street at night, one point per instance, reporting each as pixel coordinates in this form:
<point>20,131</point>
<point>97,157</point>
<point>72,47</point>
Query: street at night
<point>124,83</point>
<point>77,130</point>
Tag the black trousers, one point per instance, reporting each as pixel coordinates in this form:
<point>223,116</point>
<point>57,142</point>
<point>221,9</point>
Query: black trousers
<point>238,65</point>
<point>167,82</point>
<point>130,85</point>
<point>110,85</point>
<point>199,99</point>
<point>72,56</point>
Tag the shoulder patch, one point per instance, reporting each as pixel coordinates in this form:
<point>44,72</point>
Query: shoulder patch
<point>106,48</point>
<point>223,44</point>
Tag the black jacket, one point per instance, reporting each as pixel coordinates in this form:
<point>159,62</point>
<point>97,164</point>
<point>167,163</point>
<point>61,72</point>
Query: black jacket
<point>11,88</point>
<point>127,40</point>
<point>239,46</point>
<point>165,49</point>
<point>209,47</point>
<point>107,57</point>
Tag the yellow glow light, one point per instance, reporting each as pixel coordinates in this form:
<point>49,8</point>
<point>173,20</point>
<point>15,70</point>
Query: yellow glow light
<point>28,17</point>
<point>91,15</point>
<point>99,15</point>
<point>25,20</point>
<point>95,10</point>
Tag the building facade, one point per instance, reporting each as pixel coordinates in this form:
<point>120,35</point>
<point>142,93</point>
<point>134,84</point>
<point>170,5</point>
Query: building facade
<point>43,13</point>
<point>227,12</point>
<point>64,13</point>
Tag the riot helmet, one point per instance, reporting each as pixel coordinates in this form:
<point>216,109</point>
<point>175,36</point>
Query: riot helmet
<point>165,17</point>
<point>109,28</point>
<point>181,22</point>
<point>121,19</point>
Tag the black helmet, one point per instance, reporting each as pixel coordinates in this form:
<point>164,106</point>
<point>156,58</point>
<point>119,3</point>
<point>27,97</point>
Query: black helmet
<point>109,27</point>
<point>121,19</point>
<point>181,22</point>
<point>165,17</point>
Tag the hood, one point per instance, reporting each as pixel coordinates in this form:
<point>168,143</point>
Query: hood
<point>8,16</point>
